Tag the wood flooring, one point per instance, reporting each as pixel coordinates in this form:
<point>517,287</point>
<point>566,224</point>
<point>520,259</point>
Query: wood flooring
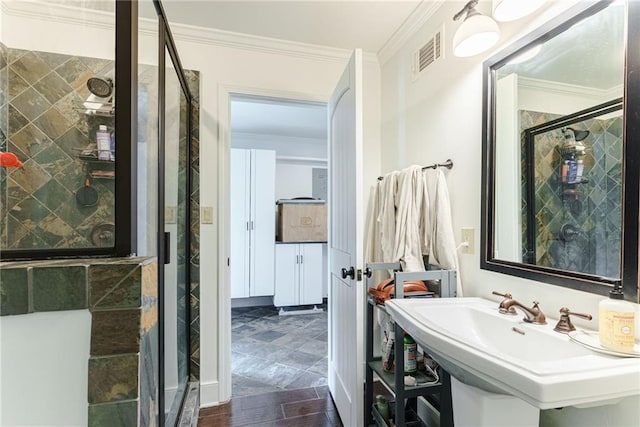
<point>307,407</point>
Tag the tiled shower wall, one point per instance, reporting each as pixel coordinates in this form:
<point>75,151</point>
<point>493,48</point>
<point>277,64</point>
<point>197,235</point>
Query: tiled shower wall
<point>41,110</point>
<point>193,80</point>
<point>47,129</point>
<point>596,208</point>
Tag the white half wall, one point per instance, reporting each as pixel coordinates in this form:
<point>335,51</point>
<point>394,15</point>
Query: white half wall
<point>44,359</point>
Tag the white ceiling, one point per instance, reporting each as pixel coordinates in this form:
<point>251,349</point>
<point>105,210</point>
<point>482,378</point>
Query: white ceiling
<point>366,24</point>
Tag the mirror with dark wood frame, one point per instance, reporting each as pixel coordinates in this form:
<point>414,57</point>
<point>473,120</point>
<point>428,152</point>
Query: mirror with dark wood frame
<point>561,147</point>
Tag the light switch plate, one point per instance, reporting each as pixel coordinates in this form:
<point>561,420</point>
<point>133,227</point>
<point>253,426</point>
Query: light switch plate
<point>170,216</point>
<point>206,215</point>
<point>468,236</point>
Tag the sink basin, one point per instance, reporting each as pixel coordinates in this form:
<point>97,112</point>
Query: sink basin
<point>501,354</point>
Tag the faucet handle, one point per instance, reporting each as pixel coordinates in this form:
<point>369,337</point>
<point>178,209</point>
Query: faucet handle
<point>564,325</point>
<point>507,295</point>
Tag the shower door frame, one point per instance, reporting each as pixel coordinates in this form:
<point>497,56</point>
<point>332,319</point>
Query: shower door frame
<point>167,45</point>
<point>530,134</point>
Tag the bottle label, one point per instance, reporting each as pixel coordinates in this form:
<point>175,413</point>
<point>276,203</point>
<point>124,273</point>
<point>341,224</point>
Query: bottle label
<point>410,363</point>
<point>617,330</point>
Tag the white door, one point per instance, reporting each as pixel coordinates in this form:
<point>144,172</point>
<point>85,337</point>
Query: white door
<point>346,295</point>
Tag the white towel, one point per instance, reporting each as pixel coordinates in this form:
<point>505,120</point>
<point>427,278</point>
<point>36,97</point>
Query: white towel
<point>444,249</point>
<point>372,233</point>
<point>410,201</point>
<point>387,216</point>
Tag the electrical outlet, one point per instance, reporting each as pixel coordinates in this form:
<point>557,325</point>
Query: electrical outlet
<point>206,213</point>
<point>468,236</point>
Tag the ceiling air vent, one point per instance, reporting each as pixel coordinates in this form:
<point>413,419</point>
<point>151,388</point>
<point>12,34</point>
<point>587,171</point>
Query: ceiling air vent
<point>429,53</point>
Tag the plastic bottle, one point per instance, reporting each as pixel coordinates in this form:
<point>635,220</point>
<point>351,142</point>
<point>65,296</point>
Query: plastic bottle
<point>616,321</point>
<point>383,406</point>
<point>410,352</point>
<point>580,170</point>
<point>103,142</point>
<point>572,170</point>
<point>564,171</point>
<point>112,147</point>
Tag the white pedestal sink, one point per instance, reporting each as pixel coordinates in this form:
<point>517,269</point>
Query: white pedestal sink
<point>508,368</point>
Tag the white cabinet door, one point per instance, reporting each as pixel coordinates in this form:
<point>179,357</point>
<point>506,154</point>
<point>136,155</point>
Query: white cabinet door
<point>253,220</point>
<point>311,273</point>
<point>287,273</point>
<point>263,222</point>
<point>239,245</point>
<point>299,274</point>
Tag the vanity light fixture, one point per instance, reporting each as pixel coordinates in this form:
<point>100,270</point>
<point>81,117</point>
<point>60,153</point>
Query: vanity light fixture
<point>531,53</point>
<point>477,33</point>
<point>510,10</point>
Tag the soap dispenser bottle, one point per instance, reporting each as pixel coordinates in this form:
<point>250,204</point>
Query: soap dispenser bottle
<point>616,321</point>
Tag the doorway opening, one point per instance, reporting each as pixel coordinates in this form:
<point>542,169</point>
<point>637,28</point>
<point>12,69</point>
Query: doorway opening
<point>278,279</point>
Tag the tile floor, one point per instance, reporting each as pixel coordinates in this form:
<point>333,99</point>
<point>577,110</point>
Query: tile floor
<point>308,407</point>
<point>274,353</point>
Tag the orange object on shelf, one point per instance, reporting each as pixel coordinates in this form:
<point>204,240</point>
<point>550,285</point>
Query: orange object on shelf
<point>9,160</point>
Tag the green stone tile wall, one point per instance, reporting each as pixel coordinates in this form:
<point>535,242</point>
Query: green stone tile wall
<point>595,209</point>
<point>123,363</point>
<point>44,124</point>
<point>193,79</point>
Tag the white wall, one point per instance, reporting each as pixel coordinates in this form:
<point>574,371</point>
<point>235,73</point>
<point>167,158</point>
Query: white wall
<point>439,117</point>
<point>44,360</point>
<point>294,179</point>
<point>285,146</point>
<point>295,159</point>
<point>300,70</point>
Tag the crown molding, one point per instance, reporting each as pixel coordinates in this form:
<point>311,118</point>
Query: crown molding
<point>261,44</point>
<point>58,13</point>
<point>600,95</point>
<point>420,15</point>
<point>34,9</point>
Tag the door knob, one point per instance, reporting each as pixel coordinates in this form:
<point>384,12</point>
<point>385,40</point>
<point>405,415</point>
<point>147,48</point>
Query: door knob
<point>346,273</point>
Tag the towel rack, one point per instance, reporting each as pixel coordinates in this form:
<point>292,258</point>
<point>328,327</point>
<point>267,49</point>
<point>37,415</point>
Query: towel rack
<point>447,164</point>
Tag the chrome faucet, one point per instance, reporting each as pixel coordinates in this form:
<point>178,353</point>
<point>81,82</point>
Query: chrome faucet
<point>531,315</point>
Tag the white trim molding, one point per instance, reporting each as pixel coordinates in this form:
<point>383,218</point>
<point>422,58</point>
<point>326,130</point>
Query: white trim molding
<point>235,40</point>
<point>210,394</point>
<point>225,91</point>
<point>600,95</point>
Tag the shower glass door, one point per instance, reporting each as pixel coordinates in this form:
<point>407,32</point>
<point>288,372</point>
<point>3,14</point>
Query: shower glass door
<point>176,332</point>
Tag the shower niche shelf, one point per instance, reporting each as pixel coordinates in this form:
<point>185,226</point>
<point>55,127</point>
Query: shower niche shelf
<point>96,108</point>
<point>96,168</point>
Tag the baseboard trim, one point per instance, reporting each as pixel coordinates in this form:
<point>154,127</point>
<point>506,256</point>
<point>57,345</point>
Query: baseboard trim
<point>209,394</point>
<point>251,302</point>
